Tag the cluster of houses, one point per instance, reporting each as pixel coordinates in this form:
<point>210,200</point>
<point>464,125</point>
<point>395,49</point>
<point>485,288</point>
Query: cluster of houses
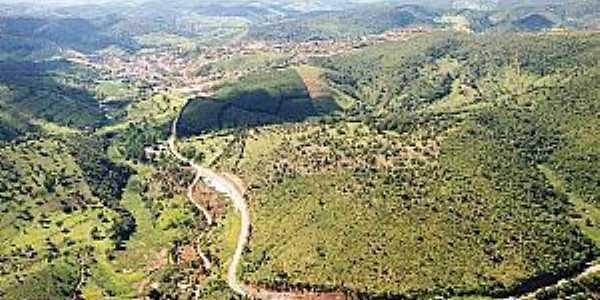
<point>167,68</point>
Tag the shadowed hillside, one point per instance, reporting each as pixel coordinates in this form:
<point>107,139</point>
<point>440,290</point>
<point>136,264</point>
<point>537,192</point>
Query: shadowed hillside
<point>33,38</point>
<point>31,90</point>
<point>266,98</point>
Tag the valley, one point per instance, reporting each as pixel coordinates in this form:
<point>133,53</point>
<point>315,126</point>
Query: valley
<point>300,150</point>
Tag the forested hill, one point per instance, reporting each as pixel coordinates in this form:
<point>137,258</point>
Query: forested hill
<point>477,16</point>
<point>27,31</point>
<point>460,146</point>
<point>34,38</point>
<point>346,24</point>
<point>457,162</point>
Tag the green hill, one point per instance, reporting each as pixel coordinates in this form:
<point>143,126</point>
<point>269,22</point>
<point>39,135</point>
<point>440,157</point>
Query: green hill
<point>533,22</point>
<point>447,166</point>
<point>32,38</point>
<point>435,183</point>
<point>259,99</point>
<point>536,15</point>
<point>344,24</point>
<point>43,91</point>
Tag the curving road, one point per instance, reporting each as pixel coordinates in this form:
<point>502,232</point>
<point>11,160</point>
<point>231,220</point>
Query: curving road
<point>592,269</point>
<point>233,191</point>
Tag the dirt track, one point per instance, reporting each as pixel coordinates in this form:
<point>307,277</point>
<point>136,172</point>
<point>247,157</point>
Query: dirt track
<point>222,184</point>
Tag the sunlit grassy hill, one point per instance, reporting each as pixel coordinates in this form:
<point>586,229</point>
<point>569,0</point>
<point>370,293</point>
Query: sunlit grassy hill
<point>441,178</point>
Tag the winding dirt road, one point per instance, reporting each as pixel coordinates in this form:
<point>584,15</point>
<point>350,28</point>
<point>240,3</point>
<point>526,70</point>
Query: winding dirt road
<point>591,270</point>
<point>233,191</point>
<point>227,185</point>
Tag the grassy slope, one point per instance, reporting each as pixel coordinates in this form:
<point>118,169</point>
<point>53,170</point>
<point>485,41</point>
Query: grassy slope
<point>50,211</point>
<point>387,237</point>
<point>52,233</point>
<point>476,194</point>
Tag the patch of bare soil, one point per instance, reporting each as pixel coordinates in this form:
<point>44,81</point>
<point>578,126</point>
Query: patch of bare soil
<point>159,262</point>
<point>187,254</point>
<point>316,90</point>
<point>209,199</point>
<point>266,294</point>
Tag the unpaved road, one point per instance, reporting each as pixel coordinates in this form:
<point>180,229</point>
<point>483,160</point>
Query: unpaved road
<point>190,196</point>
<point>586,273</point>
<point>233,191</point>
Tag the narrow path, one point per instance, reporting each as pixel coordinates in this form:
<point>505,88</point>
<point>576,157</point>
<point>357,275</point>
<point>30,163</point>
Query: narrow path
<point>233,191</point>
<point>224,184</point>
<point>79,288</point>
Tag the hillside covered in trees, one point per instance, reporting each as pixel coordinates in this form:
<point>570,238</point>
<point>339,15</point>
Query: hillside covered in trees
<point>299,149</point>
<point>452,151</point>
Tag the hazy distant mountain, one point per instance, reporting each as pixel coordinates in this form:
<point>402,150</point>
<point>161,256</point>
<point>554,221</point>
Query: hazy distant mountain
<point>344,24</point>
<point>475,4</point>
<point>57,3</point>
<point>28,37</point>
<point>89,25</point>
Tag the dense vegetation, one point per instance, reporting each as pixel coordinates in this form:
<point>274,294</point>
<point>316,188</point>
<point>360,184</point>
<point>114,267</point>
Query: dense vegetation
<point>441,163</point>
<point>138,137</point>
<point>446,165</point>
<point>584,288</point>
<point>54,91</point>
<point>105,178</point>
<point>12,126</point>
<point>344,24</point>
<point>58,280</point>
